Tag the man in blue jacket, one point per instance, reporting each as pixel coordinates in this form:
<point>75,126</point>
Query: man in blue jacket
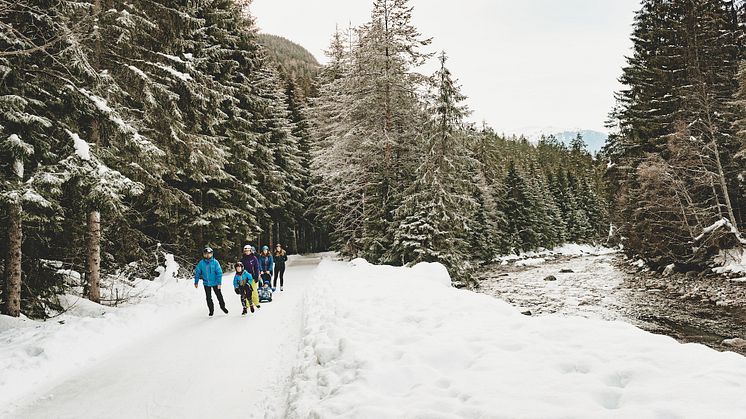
<point>212,279</point>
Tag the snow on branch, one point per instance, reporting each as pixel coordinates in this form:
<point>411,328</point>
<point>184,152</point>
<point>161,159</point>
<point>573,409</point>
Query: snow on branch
<point>105,184</point>
<point>174,72</point>
<point>113,116</point>
<point>718,225</point>
<point>82,149</point>
<point>18,150</point>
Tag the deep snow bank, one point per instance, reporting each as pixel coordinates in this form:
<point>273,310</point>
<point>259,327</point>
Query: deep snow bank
<point>396,342</point>
<point>36,353</point>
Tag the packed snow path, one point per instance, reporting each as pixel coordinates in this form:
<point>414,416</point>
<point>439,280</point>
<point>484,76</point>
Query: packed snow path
<point>199,367</point>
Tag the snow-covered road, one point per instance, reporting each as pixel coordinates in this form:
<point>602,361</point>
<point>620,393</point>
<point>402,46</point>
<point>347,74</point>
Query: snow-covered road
<point>197,367</point>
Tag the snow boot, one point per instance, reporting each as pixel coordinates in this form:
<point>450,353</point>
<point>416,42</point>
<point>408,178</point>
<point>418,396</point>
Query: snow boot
<point>243,313</point>
<point>251,308</point>
<point>211,313</point>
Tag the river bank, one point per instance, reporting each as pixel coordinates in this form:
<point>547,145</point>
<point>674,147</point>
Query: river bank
<point>702,308</point>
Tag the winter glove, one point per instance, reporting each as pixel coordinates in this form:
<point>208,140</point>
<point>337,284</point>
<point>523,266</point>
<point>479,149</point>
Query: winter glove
<point>237,290</point>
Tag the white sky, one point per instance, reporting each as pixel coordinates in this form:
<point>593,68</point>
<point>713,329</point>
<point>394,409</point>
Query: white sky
<point>523,63</point>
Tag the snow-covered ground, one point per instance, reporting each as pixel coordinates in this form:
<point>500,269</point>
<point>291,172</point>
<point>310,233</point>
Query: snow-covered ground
<point>383,342</point>
<point>161,358</point>
<point>359,341</point>
<point>33,354</point>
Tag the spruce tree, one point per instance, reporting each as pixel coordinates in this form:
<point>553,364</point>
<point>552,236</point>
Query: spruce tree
<point>681,81</point>
<point>438,210</point>
<point>31,67</point>
<point>386,107</point>
<point>520,212</point>
<point>339,185</point>
<point>488,235</point>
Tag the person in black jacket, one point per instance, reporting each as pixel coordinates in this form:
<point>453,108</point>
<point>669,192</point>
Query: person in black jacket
<point>280,257</point>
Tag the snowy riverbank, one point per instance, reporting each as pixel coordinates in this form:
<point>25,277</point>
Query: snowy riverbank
<point>396,342</point>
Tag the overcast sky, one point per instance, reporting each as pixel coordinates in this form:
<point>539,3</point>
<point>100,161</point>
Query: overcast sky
<point>523,63</point>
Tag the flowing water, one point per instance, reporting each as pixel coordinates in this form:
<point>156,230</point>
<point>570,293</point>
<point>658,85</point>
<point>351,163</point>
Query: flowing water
<point>597,286</point>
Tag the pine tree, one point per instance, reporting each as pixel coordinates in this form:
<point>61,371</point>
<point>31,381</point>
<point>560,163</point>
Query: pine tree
<point>487,229</point>
<point>437,212</point>
<point>386,107</point>
<point>740,128</point>
<point>649,106</point>
<point>30,68</point>
<point>339,186</point>
<point>285,195</point>
<point>99,190</point>
<point>550,226</point>
<point>305,232</point>
<point>12,197</point>
<point>681,81</point>
<point>519,210</point>
<point>491,224</point>
<point>712,62</point>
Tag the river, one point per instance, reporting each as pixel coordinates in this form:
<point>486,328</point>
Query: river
<point>604,286</point>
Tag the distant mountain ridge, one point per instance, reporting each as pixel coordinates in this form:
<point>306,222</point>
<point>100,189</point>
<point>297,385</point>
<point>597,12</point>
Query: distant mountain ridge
<point>594,139</point>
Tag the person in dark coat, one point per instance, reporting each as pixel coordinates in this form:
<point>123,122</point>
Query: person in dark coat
<point>280,257</point>
<point>266,266</point>
<point>250,261</point>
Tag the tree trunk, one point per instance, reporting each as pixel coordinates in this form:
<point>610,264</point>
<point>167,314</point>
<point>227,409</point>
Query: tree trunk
<point>278,239</point>
<point>94,256</point>
<point>13,281</point>
<point>295,239</point>
<point>720,171</point>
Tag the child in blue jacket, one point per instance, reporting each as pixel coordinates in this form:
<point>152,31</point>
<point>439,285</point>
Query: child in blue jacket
<point>243,286</point>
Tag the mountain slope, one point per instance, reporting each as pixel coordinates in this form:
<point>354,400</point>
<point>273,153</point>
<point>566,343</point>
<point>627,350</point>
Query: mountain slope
<point>293,60</point>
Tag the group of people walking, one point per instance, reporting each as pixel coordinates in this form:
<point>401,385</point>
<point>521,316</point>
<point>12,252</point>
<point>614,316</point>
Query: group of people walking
<point>252,280</point>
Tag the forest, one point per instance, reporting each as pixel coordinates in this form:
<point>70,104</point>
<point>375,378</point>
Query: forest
<point>677,156</point>
<point>129,127</point>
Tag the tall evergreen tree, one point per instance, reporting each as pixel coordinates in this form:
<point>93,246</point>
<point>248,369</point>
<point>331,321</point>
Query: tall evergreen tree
<point>520,210</point>
<point>339,187</point>
<point>681,81</point>
<point>387,108</point>
<point>488,235</point>
<point>438,210</point>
